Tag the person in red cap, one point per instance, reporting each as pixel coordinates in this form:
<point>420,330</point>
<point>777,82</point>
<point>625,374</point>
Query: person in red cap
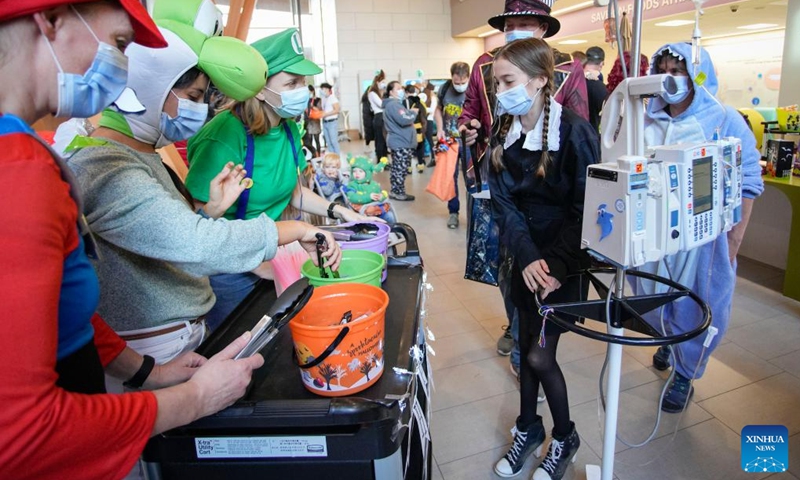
<point>66,58</point>
<point>520,19</point>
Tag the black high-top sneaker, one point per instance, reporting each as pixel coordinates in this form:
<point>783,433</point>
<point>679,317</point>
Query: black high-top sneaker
<point>560,454</point>
<point>661,358</point>
<point>525,442</point>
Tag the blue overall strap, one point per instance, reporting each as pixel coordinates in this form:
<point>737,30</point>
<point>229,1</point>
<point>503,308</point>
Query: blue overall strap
<point>296,163</point>
<point>241,206</point>
<point>294,147</point>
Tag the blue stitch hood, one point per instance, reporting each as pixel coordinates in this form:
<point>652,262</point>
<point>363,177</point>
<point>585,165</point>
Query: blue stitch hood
<point>703,97</point>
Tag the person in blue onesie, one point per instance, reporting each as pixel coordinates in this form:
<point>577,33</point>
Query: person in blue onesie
<point>694,115</point>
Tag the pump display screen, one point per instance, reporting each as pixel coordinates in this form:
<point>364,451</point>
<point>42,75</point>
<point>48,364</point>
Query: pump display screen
<point>701,178</point>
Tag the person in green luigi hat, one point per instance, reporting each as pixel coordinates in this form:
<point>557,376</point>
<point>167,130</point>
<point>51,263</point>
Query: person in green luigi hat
<point>157,246</point>
<point>261,134</point>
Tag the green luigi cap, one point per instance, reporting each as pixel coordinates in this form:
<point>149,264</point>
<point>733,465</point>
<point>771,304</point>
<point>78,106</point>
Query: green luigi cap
<point>284,53</point>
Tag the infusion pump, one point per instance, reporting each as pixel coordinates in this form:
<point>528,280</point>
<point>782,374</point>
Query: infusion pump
<point>639,210</point>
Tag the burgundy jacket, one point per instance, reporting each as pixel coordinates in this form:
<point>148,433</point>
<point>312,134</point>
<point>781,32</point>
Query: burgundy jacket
<point>480,102</point>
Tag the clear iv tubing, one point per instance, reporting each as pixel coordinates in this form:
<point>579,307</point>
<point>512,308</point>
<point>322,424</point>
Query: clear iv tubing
<point>696,35</point>
<point>666,384</point>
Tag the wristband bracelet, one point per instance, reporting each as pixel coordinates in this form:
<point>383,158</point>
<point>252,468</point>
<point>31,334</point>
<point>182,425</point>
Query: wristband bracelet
<point>331,214</point>
<point>138,379</point>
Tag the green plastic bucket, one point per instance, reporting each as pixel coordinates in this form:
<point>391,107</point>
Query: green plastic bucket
<point>357,266</point>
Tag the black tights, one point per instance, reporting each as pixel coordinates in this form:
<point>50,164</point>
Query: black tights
<point>539,366</point>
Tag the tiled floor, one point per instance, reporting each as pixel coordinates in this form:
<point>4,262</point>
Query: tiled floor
<point>753,377</point>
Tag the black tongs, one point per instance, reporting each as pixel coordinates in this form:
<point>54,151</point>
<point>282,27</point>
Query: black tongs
<point>353,233</point>
<point>322,245</point>
<point>288,304</point>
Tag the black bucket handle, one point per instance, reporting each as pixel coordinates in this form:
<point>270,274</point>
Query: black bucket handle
<point>336,341</point>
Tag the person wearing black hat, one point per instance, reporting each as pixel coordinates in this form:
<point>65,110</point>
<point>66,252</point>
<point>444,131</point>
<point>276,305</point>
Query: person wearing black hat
<point>595,57</point>
<point>520,19</point>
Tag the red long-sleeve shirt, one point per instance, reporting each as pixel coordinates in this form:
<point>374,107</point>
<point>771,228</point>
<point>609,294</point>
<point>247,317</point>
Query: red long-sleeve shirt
<point>45,431</point>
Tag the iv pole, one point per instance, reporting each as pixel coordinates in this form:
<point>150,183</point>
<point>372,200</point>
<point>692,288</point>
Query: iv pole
<point>626,309</point>
<point>615,349</point>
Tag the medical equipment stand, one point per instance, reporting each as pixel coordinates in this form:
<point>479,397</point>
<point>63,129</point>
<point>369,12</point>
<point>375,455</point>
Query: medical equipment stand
<point>619,312</point>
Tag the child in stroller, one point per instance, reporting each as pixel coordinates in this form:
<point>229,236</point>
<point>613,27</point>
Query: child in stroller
<point>328,179</point>
<point>365,195</point>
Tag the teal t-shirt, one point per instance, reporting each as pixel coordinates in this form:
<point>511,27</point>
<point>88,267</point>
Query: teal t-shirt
<point>274,174</point>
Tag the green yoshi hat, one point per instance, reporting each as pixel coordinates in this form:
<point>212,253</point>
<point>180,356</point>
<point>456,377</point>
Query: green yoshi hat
<point>284,53</point>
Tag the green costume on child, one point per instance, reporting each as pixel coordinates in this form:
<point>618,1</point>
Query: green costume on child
<point>360,191</point>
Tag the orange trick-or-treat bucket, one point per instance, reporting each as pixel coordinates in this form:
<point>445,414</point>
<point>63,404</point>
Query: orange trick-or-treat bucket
<point>338,338</point>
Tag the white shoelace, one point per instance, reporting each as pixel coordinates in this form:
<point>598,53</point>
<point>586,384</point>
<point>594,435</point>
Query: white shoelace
<point>551,462</point>
<point>516,448</point>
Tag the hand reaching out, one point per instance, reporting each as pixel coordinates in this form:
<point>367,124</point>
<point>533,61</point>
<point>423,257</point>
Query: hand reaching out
<point>537,275</point>
<point>222,380</point>
<point>177,370</point>
<point>225,189</point>
<point>471,130</point>
<point>332,255</point>
<point>350,216</point>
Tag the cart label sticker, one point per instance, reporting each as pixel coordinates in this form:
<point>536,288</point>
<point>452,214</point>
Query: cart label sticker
<point>261,447</point>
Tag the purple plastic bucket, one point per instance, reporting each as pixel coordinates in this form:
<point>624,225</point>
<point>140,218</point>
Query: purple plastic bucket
<point>378,244</point>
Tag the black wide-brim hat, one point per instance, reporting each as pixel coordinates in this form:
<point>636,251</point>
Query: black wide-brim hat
<point>528,8</point>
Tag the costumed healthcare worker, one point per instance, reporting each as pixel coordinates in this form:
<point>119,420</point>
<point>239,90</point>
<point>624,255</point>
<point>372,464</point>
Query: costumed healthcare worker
<point>537,178</point>
<point>693,115</point>
<point>261,134</point>
<point>66,58</point>
<point>157,250</point>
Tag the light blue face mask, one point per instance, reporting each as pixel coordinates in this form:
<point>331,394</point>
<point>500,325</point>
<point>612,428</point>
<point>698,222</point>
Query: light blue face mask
<point>515,100</point>
<point>190,119</point>
<point>680,95</point>
<point>517,35</point>
<point>293,102</point>
<point>83,96</point>
<point>401,95</point>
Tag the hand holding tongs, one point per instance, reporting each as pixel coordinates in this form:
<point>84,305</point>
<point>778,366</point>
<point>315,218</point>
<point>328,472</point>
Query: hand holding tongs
<point>288,304</point>
<point>322,245</point>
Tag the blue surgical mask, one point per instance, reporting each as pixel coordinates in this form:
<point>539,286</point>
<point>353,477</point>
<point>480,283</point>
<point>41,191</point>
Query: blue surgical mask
<point>401,95</point>
<point>680,95</point>
<point>293,102</point>
<point>83,96</point>
<point>516,100</point>
<point>517,35</point>
<point>190,119</point>
<point>461,88</point>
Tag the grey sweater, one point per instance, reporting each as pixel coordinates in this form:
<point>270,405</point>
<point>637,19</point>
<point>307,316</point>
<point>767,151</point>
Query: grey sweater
<point>155,252</point>
<point>399,122</point>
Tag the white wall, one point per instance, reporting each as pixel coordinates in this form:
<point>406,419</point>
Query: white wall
<point>398,36</point>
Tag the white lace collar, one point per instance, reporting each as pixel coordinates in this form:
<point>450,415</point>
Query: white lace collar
<point>533,139</point>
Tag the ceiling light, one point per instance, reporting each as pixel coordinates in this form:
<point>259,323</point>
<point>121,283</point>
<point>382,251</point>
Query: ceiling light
<point>490,32</point>
<point>758,26</point>
<point>579,6</point>
<point>571,42</point>
<point>675,23</point>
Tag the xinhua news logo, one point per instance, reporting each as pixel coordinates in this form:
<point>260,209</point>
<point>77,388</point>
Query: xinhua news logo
<point>765,448</point>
